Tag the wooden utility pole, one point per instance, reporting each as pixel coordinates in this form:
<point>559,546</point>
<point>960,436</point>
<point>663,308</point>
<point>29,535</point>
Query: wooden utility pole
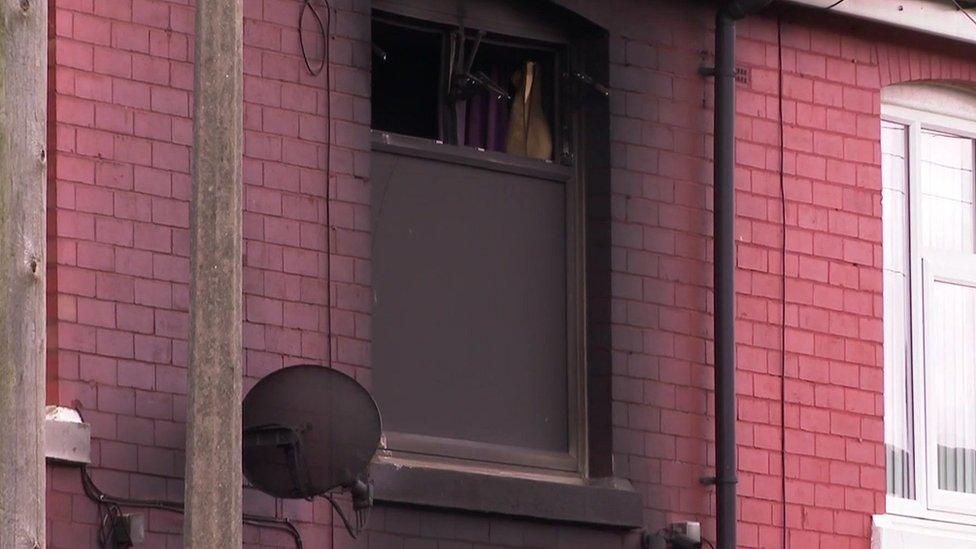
<point>213,464</point>
<point>23,185</point>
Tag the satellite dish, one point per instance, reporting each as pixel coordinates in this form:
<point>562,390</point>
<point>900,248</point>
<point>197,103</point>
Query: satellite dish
<point>308,429</point>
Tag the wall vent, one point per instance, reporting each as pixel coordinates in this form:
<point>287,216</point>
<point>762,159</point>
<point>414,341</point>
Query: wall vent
<point>742,75</point>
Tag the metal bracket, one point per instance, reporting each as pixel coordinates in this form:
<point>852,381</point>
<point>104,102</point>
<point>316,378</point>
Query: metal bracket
<point>740,74</point>
<point>709,480</point>
<point>289,440</point>
<point>588,80</point>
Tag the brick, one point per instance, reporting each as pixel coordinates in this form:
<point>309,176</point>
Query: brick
<point>171,212</point>
<point>96,256</point>
<point>172,324</point>
<point>114,343</point>
<point>134,318</point>
<point>74,54</point>
<point>129,37</point>
<point>113,231</point>
<point>116,400</point>
<point>77,112</point>
<point>98,369</point>
<point>117,176</point>
<point>96,313</point>
<point>150,349</point>
<point>114,287</point>
<point>130,93</point>
<point>170,157</point>
<point>132,150</point>
<point>150,12</point>
<point>265,311</point>
<point>112,62</point>
<point>169,101</point>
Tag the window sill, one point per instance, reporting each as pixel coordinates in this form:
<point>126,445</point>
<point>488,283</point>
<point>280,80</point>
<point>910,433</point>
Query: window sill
<point>429,149</point>
<point>606,502</point>
<point>897,532</point>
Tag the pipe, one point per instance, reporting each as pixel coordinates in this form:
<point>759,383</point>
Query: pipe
<point>724,246</point>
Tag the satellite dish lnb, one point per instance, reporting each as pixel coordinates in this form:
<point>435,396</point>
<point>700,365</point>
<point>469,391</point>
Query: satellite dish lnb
<point>308,430</point>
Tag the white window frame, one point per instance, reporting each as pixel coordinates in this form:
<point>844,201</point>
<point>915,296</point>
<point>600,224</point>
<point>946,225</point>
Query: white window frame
<point>921,107</point>
<point>961,272</point>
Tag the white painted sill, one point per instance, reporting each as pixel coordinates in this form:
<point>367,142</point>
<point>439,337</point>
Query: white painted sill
<point>897,532</point>
<point>67,439</point>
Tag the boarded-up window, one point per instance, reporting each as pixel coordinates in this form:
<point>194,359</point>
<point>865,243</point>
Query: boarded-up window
<point>478,224</point>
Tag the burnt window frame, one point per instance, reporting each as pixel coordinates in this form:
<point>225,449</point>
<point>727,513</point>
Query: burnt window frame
<point>559,52</point>
<point>575,163</point>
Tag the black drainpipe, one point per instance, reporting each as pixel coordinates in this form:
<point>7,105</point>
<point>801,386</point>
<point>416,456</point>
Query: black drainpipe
<point>724,243</point>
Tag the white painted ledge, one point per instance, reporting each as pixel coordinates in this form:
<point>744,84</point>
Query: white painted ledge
<point>897,532</point>
<point>938,17</point>
<point>66,438</point>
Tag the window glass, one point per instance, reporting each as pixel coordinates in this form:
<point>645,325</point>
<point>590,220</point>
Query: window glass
<point>951,367</point>
<point>929,257</point>
<point>897,320</point>
<point>946,188</point>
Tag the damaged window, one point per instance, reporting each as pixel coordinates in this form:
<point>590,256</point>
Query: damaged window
<point>464,87</point>
<point>478,195</point>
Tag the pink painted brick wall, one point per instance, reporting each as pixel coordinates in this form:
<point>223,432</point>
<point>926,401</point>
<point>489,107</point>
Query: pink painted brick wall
<point>123,80</point>
<point>122,130</point>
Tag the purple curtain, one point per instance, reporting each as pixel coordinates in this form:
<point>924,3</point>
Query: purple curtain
<point>486,124</point>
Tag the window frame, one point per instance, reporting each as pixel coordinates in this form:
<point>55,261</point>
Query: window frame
<point>917,107</point>
<point>960,272</point>
<point>570,170</point>
<point>559,45</point>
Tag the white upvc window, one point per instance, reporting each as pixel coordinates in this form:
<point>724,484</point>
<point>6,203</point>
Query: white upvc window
<point>928,148</point>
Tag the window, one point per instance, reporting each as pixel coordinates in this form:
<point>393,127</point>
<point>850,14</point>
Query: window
<point>466,87</point>
<point>479,223</point>
<point>928,146</point>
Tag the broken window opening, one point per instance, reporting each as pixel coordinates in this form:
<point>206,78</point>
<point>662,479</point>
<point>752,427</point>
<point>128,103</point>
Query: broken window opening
<point>487,91</point>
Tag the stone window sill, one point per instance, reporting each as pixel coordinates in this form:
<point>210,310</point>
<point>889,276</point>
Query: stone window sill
<point>608,503</point>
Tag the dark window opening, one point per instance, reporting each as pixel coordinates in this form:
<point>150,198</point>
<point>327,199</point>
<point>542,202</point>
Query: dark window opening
<point>485,119</point>
<point>406,80</point>
<point>486,91</point>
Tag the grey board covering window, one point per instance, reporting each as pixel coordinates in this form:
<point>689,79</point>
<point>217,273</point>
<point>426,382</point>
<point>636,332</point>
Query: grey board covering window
<point>479,331</point>
<point>470,315</point>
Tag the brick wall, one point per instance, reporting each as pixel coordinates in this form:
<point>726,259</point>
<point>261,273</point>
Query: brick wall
<point>121,125</point>
<point>123,78</point>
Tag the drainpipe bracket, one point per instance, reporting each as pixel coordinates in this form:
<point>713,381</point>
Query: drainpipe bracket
<point>709,480</point>
<point>708,72</point>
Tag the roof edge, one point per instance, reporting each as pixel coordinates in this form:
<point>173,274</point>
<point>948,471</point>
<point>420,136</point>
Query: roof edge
<point>935,17</point>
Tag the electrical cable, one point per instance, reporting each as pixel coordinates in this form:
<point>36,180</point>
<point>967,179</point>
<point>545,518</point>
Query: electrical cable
<point>708,543</point>
<point>782,191</point>
<point>113,504</point>
<point>353,531</point>
<point>325,28</point>
<point>272,523</point>
<point>327,59</point>
<point>834,5</point>
<point>308,6</point>
<point>964,12</point>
